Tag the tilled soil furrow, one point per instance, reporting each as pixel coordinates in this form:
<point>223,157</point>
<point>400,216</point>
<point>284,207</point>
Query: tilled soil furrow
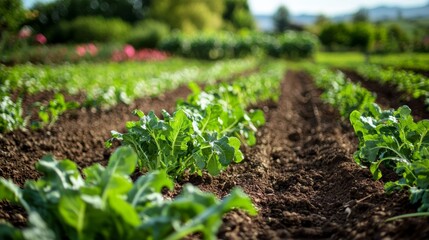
<point>303,179</point>
<point>389,97</point>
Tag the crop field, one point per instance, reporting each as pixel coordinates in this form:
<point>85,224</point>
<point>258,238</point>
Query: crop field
<point>214,119</point>
<point>305,153</point>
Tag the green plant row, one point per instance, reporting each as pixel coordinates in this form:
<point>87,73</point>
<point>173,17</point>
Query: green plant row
<point>106,204</point>
<point>203,133</point>
<point>339,91</point>
<point>386,137</point>
<point>121,81</point>
<point>104,88</point>
<point>411,83</point>
<point>409,60</point>
<point>228,45</point>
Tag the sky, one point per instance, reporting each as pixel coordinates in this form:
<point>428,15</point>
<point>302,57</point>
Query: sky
<point>327,7</point>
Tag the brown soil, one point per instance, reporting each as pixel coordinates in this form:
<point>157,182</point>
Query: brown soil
<point>389,97</point>
<point>300,175</point>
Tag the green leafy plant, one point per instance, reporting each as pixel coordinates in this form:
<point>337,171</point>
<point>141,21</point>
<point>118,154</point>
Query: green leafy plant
<point>177,144</point>
<point>392,138</point>
<point>203,133</point>
<point>106,204</point>
<point>222,109</point>
<point>11,114</point>
<point>49,114</point>
<point>387,138</point>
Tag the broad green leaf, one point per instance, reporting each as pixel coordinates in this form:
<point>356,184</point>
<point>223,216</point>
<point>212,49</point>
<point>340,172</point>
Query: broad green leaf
<point>123,161</point>
<point>235,143</point>
<point>38,228</point>
<point>73,211</point>
<point>139,113</point>
<point>9,191</point>
<point>257,117</point>
<point>180,133</point>
<point>237,199</point>
<point>210,122</point>
<point>116,185</point>
<point>196,90</point>
<point>209,218</point>
<point>126,211</point>
<point>94,174</point>
<point>153,182</point>
<point>213,166</point>
<point>60,174</point>
<point>375,171</point>
<point>223,150</point>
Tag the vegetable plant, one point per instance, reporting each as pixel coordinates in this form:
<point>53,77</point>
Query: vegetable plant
<point>11,114</point>
<point>386,137</point>
<point>177,144</point>
<point>392,138</point>
<point>49,114</point>
<point>106,204</point>
<point>203,133</point>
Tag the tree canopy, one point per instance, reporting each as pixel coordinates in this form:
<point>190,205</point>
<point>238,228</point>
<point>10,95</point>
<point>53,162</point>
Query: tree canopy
<point>281,19</point>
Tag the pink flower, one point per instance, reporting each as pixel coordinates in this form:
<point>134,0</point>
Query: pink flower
<point>25,32</point>
<point>80,50</point>
<point>92,49</point>
<point>40,38</point>
<point>129,51</point>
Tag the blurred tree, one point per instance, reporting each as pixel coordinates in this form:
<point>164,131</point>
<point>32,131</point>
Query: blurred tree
<point>335,36</point>
<point>362,37</point>
<point>52,13</point>
<point>189,15</point>
<point>12,14</point>
<point>321,22</point>
<point>237,15</point>
<point>398,39</point>
<point>380,38</point>
<point>361,15</point>
<point>281,19</point>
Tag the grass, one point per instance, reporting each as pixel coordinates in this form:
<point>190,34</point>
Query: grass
<point>352,59</point>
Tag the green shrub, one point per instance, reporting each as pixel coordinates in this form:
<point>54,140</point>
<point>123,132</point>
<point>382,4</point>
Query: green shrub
<point>227,45</point>
<point>96,29</point>
<point>173,44</point>
<point>292,45</point>
<point>148,34</point>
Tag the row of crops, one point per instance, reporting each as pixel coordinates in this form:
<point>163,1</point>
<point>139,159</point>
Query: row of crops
<point>103,89</point>
<point>415,85</point>
<point>204,134</point>
<point>388,138</point>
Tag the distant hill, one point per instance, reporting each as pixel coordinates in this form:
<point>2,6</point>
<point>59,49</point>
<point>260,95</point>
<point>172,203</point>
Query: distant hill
<point>265,22</point>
